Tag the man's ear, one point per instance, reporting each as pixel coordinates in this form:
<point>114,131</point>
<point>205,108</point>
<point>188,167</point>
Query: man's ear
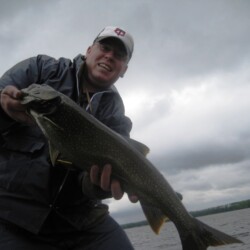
<point>88,50</point>
<point>124,71</point>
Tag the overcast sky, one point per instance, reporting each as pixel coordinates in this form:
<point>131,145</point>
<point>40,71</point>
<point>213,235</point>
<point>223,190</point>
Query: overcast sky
<point>187,88</point>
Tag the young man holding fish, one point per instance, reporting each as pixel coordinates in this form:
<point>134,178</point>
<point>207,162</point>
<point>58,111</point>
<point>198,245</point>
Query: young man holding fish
<point>57,207</point>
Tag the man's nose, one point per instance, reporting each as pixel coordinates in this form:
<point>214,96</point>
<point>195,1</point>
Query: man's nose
<point>110,54</point>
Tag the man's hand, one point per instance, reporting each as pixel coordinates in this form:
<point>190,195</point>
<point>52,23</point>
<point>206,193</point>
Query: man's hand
<point>102,178</point>
<point>10,103</point>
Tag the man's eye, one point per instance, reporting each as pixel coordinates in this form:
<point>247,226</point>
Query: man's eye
<point>106,48</point>
<point>119,55</point>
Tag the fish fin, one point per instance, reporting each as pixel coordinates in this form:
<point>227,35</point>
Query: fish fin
<point>154,215</point>
<point>54,124</point>
<point>204,236</point>
<point>139,146</point>
<point>179,196</point>
<point>54,153</point>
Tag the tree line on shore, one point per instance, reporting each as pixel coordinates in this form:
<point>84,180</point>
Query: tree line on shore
<point>214,210</point>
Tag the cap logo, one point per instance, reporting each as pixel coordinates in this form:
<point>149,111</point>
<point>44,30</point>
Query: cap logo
<point>119,32</point>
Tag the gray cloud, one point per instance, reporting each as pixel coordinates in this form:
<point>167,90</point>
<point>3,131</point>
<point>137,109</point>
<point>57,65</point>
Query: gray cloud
<point>201,156</point>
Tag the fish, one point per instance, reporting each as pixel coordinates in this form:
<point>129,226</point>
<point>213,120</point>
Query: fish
<point>84,141</point>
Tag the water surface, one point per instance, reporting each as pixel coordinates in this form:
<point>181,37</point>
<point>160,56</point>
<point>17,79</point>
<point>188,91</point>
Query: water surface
<point>235,223</point>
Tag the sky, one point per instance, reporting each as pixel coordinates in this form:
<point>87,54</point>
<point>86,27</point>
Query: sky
<point>187,87</point>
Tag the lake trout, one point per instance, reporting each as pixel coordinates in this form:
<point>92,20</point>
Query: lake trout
<point>85,141</point>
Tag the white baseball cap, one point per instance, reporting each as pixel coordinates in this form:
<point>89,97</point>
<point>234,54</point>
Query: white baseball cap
<point>119,33</point>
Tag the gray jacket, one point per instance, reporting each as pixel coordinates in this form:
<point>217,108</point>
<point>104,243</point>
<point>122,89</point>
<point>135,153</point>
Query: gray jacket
<point>30,188</point>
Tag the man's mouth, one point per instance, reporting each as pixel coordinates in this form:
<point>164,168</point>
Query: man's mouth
<point>105,66</point>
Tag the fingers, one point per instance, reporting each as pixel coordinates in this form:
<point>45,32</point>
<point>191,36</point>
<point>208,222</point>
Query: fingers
<point>106,178</point>
<point>10,102</point>
<point>116,189</point>
<point>10,96</point>
<point>12,92</point>
<point>102,177</point>
<point>133,198</point>
<point>94,175</point>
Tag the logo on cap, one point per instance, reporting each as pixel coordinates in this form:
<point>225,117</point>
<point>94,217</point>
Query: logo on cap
<point>119,32</point>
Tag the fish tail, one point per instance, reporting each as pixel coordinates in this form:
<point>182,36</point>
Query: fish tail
<point>204,236</point>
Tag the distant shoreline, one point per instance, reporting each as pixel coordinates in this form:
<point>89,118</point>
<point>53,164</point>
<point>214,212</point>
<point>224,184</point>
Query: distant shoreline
<point>214,210</point>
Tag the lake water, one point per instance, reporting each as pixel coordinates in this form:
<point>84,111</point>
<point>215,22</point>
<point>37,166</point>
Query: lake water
<point>235,223</point>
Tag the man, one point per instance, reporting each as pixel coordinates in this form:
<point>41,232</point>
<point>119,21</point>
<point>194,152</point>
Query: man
<point>55,207</point>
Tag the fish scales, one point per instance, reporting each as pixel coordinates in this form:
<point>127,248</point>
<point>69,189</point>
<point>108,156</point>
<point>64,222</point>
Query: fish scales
<point>100,148</point>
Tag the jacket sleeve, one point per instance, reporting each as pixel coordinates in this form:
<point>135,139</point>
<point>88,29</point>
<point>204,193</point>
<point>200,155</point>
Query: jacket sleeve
<point>24,73</point>
<point>111,112</point>
<point>20,75</point>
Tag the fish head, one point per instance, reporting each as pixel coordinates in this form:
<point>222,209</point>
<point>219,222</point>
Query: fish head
<point>42,99</point>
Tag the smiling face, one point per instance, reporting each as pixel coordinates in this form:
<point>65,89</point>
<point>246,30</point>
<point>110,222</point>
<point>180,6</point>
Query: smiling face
<point>106,61</point>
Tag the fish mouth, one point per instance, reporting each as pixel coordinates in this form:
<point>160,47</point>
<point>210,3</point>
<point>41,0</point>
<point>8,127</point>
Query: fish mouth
<point>44,106</point>
<point>105,66</point>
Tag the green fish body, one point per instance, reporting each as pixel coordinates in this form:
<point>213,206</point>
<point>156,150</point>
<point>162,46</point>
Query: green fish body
<point>85,141</point>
